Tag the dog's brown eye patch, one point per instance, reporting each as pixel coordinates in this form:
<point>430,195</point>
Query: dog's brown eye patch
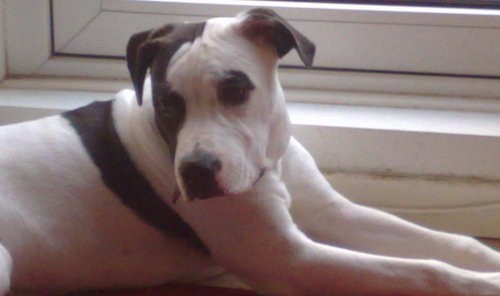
<point>168,103</point>
<point>172,104</point>
<point>170,111</point>
<point>234,88</point>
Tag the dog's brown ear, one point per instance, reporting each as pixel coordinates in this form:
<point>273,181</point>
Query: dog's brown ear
<point>265,25</point>
<point>154,48</point>
<point>141,51</point>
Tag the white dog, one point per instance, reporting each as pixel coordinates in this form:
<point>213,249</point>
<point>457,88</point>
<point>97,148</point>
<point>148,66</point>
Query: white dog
<point>195,174</point>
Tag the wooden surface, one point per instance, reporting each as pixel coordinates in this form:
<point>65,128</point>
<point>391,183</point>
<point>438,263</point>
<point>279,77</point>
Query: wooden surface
<point>171,290</point>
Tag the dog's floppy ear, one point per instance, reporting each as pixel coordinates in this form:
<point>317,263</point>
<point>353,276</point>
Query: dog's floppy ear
<point>265,25</point>
<point>156,47</point>
<point>141,51</point>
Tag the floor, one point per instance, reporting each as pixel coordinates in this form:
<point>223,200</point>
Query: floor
<point>173,290</point>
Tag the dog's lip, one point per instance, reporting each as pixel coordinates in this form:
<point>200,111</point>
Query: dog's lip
<point>177,192</point>
<point>176,195</point>
<point>261,174</point>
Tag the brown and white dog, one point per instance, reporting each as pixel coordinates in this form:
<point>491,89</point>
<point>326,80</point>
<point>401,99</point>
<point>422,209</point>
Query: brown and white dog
<point>196,173</point>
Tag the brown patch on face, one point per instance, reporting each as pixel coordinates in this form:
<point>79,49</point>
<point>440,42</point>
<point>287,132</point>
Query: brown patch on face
<point>234,88</point>
<point>153,50</point>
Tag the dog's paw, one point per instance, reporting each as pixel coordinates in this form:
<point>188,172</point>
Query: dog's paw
<point>476,283</point>
<point>5,270</point>
<point>489,284</point>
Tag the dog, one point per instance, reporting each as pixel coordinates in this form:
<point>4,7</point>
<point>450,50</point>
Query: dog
<point>194,173</point>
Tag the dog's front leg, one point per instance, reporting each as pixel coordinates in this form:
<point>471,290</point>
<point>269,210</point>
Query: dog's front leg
<point>253,236</point>
<point>328,217</point>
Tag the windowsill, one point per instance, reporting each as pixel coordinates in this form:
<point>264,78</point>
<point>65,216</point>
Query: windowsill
<point>319,125</point>
<point>431,166</point>
<point>306,114</point>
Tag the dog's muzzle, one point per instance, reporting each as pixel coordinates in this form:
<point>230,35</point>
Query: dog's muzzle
<point>198,172</point>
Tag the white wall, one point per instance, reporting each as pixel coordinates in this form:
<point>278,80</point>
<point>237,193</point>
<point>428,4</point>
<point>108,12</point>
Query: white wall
<point>2,42</point>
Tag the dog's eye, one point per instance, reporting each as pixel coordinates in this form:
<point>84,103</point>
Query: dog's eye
<point>234,88</point>
<point>171,104</point>
<point>231,95</point>
<point>165,107</point>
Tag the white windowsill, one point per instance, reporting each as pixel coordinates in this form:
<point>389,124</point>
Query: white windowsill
<point>436,167</point>
<point>306,114</point>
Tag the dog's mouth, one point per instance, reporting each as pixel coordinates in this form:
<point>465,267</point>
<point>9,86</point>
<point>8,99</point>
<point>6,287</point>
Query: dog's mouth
<point>261,174</point>
<point>208,189</point>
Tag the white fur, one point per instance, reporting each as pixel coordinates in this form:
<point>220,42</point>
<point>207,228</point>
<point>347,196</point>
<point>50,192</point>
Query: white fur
<point>290,233</point>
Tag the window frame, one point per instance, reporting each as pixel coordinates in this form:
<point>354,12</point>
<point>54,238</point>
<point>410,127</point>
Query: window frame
<point>45,60</point>
<point>373,33</point>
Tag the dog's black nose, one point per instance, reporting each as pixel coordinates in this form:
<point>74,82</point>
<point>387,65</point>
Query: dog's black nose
<point>198,172</point>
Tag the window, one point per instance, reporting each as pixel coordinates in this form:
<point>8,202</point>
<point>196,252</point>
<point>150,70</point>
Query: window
<point>389,49</point>
<point>435,41</point>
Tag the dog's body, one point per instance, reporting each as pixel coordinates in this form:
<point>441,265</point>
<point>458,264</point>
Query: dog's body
<point>68,209</point>
<point>103,196</point>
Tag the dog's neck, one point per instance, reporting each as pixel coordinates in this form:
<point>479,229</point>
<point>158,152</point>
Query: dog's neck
<point>138,131</point>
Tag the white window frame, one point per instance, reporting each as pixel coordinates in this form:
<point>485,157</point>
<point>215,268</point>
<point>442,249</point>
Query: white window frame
<point>384,138</point>
<point>349,37</point>
<point>465,77</point>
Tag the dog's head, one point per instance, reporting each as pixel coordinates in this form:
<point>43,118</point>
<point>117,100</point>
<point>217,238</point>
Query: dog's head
<point>217,99</point>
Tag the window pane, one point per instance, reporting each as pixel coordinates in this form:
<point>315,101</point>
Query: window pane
<point>348,38</point>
